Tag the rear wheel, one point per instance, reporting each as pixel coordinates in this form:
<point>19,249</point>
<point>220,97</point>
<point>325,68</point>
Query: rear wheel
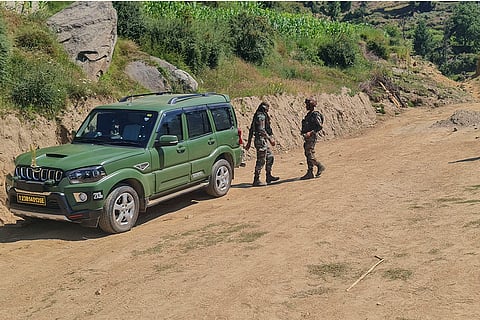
<point>221,178</point>
<point>120,211</point>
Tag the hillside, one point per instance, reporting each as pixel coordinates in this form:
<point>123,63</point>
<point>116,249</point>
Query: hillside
<point>389,231</point>
<point>345,116</point>
<point>412,83</point>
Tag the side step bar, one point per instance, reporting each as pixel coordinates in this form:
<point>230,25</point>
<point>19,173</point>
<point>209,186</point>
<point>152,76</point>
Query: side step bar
<point>156,201</point>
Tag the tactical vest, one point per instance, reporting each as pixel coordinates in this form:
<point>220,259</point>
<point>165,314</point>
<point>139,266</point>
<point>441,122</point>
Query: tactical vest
<point>312,122</point>
<point>257,117</point>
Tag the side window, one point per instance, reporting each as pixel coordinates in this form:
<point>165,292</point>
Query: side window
<point>171,124</point>
<point>222,117</point>
<point>198,123</point>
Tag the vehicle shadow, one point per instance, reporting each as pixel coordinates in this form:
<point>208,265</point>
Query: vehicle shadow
<point>39,229</point>
<point>172,205</point>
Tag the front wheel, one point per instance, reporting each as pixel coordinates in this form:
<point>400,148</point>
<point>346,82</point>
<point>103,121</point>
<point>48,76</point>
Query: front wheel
<point>221,178</point>
<point>120,211</point>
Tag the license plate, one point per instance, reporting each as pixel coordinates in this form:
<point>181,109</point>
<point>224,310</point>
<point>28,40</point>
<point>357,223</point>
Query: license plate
<point>31,199</point>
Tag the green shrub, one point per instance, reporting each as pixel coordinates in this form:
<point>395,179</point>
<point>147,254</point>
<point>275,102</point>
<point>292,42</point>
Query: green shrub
<point>130,23</point>
<point>195,44</point>
<point>4,51</point>
<point>32,38</point>
<point>378,47</point>
<point>377,41</point>
<point>338,51</point>
<point>251,37</point>
<point>79,91</point>
<point>38,86</point>
<point>461,63</point>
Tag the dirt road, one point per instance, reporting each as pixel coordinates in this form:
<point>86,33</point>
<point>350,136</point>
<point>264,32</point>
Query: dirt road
<point>404,191</point>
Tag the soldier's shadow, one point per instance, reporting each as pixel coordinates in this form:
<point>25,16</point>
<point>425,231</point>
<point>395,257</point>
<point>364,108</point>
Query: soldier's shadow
<point>465,160</point>
<point>281,181</point>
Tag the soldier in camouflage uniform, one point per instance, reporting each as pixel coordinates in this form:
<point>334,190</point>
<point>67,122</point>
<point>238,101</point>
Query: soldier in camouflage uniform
<point>261,130</point>
<point>311,126</point>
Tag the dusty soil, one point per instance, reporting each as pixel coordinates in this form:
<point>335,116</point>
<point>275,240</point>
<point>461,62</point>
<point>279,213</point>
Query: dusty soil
<point>405,191</point>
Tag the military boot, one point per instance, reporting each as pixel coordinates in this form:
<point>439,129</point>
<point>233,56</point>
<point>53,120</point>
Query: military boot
<point>271,178</point>
<point>257,182</point>
<point>320,169</point>
<point>308,175</point>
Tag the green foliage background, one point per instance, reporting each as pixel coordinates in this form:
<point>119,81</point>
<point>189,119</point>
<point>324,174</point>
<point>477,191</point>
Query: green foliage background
<point>238,48</point>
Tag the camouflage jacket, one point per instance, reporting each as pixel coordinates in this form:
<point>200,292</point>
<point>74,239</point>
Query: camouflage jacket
<point>313,121</point>
<point>260,126</point>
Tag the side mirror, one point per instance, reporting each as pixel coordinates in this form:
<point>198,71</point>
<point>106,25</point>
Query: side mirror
<point>166,140</point>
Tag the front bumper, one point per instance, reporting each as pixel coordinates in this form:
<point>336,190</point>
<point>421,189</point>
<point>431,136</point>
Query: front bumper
<point>49,206</point>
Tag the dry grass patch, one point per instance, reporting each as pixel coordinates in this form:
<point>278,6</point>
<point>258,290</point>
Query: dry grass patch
<point>397,274</point>
<point>329,269</point>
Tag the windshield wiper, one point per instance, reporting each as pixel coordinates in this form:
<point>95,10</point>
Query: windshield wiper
<point>88,140</point>
<point>125,143</point>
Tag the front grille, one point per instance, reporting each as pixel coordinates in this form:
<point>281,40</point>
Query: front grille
<point>38,174</point>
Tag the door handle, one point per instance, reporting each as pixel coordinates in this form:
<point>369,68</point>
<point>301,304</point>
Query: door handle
<point>180,149</point>
<point>211,141</point>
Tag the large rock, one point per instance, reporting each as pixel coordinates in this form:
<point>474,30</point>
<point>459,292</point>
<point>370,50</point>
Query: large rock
<point>88,31</point>
<point>170,78</point>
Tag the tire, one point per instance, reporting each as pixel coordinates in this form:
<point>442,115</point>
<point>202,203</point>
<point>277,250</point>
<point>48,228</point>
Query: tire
<point>221,178</point>
<point>120,211</point>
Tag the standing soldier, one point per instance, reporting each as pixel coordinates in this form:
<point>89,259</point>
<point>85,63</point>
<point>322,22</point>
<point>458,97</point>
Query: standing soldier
<point>311,126</point>
<point>260,128</point>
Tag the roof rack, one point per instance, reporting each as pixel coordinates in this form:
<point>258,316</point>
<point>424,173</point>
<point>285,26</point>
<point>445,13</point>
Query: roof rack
<point>142,95</point>
<point>194,95</point>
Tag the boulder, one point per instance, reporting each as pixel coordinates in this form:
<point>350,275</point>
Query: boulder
<point>88,31</point>
<point>158,75</point>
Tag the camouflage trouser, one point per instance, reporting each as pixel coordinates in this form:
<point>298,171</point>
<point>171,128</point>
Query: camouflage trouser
<point>309,148</point>
<point>264,156</point>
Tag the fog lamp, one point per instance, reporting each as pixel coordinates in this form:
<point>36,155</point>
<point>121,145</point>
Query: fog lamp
<point>80,196</point>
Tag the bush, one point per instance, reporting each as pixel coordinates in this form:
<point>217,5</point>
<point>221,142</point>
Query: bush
<point>183,42</point>
<point>338,51</point>
<point>460,64</point>
<point>32,38</point>
<point>251,37</point>
<point>378,47</point>
<point>4,51</point>
<point>130,20</point>
<point>39,87</point>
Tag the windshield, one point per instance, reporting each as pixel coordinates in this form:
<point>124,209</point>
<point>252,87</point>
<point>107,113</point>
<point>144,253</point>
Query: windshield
<point>117,127</point>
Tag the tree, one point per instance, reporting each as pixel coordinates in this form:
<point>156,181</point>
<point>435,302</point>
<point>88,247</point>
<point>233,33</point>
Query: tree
<point>251,37</point>
<point>345,6</point>
<point>422,39</point>
<point>130,20</point>
<point>333,10</point>
<point>463,27</point>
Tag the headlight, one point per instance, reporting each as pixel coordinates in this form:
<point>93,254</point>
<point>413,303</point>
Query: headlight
<point>89,174</point>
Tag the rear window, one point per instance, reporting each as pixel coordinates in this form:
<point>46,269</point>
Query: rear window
<point>222,117</point>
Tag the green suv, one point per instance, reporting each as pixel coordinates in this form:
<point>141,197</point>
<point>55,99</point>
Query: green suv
<point>128,156</point>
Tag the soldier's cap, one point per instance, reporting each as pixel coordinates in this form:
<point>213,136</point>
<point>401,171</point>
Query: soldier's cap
<point>311,101</point>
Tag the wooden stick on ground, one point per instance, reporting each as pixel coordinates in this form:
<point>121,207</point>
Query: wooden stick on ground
<point>366,273</point>
<point>391,95</point>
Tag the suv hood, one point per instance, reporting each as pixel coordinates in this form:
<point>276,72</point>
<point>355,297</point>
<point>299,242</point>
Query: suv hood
<point>78,155</point>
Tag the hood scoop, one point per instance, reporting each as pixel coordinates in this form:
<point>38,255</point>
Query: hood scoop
<point>56,155</point>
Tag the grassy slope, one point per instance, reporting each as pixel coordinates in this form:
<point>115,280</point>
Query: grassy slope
<point>279,75</point>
